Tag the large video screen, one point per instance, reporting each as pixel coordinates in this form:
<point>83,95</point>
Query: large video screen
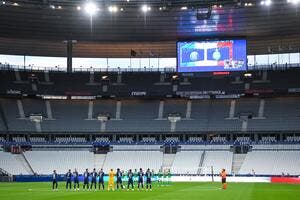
<point>212,56</point>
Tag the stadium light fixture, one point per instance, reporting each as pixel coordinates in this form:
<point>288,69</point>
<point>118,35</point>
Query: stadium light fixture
<point>145,8</point>
<point>184,8</point>
<point>266,2</point>
<point>90,8</point>
<point>3,2</point>
<point>104,77</point>
<point>293,1</point>
<point>247,75</point>
<point>59,7</point>
<point>15,4</point>
<point>78,8</point>
<point>175,76</point>
<point>113,9</point>
<point>52,6</point>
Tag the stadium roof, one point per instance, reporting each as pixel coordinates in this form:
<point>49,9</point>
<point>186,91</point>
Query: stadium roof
<point>165,22</point>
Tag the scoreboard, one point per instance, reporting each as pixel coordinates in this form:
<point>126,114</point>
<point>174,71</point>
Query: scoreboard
<point>212,56</point>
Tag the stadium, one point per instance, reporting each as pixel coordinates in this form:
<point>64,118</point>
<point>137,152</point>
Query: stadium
<point>150,99</point>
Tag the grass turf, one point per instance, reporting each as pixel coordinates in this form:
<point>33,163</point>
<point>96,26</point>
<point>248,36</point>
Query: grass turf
<point>176,191</point>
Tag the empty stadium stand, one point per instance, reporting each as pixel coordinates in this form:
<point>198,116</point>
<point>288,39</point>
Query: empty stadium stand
<point>186,162</point>
<point>150,116</point>
<point>11,164</point>
<point>219,160</point>
<point>272,162</point>
<point>44,162</point>
<point>133,160</point>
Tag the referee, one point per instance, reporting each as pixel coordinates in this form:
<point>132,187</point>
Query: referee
<point>223,175</point>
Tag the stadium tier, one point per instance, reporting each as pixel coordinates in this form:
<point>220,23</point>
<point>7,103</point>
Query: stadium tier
<point>152,99</point>
<point>271,162</point>
<point>192,162</point>
<point>153,84</point>
<point>133,160</point>
<point>44,161</point>
<point>255,114</point>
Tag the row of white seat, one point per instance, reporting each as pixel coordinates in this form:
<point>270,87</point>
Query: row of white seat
<point>271,163</point>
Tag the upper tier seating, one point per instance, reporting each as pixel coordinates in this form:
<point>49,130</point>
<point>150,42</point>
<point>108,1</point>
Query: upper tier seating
<point>280,114</point>
<point>292,139</point>
<point>19,139</point>
<point>148,140</point>
<point>195,140</point>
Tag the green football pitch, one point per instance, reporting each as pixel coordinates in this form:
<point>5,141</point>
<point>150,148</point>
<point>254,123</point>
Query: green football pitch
<point>185,191</point>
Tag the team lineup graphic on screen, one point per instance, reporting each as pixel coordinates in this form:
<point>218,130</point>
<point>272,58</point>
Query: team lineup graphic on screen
<point>207,56</point>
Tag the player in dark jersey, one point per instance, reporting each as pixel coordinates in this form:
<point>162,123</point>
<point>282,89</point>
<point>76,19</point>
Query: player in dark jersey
<point>76,179</point>
<point>119,179</point>
<point>86,175</point>
<point>69,180</point>
<point>148,179</point>
<point>54,180</point>
<point>141,179</point>
<point>94,179</point>
<point>101,179</point>
<point>130,176</point>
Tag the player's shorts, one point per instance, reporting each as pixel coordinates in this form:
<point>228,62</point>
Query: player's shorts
<point>101,180</point>
<point>94,180</point>
<point>223,180</point>
<point>111,183</point>
<point>76,180</point>
<point>130,181</point>
<point>86,181</point>
<point>68,180</point>
<point>140,180</point>
<point>54,181</point>
<point>148,181</point>
<point>119,180</point>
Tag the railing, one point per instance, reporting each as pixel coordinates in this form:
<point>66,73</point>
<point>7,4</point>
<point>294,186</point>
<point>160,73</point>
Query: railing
<point>82,69</point>
<point>131,69</point>
<point>7,177</point>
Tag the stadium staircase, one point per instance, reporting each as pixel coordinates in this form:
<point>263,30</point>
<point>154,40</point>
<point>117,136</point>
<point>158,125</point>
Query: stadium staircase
<point>168,160</point>
<point>201,163</point>
<point>99,160</point>
<point>237,162</point>
<point>24,162</point>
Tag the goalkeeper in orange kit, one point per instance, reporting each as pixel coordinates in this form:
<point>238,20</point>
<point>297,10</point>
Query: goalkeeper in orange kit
<point>223,175</point>
<point>111,183</point>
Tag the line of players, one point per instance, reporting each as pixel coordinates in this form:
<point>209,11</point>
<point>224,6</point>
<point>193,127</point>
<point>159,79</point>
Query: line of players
<point>100,176</point>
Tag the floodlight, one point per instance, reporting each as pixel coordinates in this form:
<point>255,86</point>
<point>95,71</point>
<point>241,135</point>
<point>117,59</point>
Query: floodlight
<point>90,8</point>
<point>113,9</point>
<point>145,8</point>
